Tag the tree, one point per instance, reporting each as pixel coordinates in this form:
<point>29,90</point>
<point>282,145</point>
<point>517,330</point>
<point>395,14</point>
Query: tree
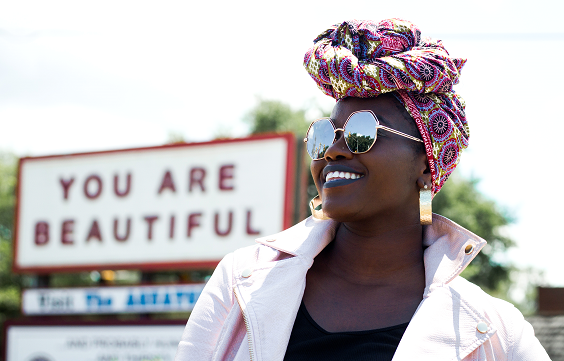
<point>10,284</point>
<point>460,201</point>
<point>275,116</point>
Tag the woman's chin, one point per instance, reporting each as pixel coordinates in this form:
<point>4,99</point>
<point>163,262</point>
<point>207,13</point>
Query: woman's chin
<point>340,213</point>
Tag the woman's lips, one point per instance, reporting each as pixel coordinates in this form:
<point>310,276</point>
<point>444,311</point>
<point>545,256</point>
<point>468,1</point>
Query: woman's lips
<point>337,175</point>
<point>342,175</point>
<point>339,182</point>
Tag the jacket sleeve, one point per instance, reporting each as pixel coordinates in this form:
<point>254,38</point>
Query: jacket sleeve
<point>208,316</point>
<point>526,347</point>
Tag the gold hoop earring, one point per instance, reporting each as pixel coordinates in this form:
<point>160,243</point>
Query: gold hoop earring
<point>425,206</point>
<point>316,208</point>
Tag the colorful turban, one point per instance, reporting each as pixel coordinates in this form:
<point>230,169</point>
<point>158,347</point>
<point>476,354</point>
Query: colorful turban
<point>363,59</point>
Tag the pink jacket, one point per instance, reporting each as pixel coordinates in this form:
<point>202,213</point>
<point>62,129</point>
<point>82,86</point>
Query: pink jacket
<point>248,307</point>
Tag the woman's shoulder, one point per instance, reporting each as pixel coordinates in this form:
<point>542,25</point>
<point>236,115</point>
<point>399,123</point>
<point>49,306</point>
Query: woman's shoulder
<point>245,257</point>
<point>305,239</point>
<point>483,301</point>
<point>514,335</point>
<point>500,313</point>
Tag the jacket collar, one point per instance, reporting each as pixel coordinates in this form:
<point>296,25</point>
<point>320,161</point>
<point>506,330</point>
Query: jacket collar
<point>442,328</point>
<point>445,256</point>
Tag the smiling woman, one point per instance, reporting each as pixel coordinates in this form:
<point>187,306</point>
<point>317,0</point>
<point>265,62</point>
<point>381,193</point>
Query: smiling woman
<point>371,275</point>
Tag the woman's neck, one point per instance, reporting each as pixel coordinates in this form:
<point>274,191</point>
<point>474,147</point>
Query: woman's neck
<point>380,253</point>
<point>367,278</point>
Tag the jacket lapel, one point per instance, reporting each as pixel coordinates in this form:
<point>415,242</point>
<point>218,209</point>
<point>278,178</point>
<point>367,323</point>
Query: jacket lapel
<point>271,296</point>
<point>444,327</point>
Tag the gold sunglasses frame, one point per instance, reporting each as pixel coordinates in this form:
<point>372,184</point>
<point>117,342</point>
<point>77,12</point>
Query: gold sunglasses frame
<point>378,126</point>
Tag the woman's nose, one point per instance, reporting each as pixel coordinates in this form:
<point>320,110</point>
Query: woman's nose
<point>339,149</point>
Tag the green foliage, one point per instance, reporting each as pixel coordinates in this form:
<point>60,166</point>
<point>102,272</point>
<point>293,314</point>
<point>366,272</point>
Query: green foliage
<point>8,164</point>
<point>275,116</point>
<point>460,201</point>
<point>10,284</point>
<point>71,280</point>
<point>175,137</point>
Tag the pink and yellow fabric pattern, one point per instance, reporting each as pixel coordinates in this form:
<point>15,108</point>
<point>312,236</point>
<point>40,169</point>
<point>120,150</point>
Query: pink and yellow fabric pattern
<point>364,59</point>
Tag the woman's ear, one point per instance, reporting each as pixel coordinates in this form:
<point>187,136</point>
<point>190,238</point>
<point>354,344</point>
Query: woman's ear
<point>423,171</point>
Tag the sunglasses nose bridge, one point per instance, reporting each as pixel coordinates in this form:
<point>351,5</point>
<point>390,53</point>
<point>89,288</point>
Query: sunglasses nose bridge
<point>339,148</point>
<point>336,135</point>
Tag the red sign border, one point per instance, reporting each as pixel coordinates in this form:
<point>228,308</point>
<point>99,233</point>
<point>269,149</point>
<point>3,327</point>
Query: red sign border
<point>56,321</point>
<point>159,266</point>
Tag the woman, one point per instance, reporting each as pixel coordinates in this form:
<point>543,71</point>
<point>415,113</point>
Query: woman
<point>371,276</point>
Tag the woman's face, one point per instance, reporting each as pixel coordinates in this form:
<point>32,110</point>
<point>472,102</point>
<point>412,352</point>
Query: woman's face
<point>389,172</point>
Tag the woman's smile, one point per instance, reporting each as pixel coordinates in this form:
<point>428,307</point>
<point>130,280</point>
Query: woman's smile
<point>339,175</point>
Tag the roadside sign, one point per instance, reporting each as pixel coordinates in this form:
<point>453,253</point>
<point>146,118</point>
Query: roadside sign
<point>110,341</point>
<point>178,206</point>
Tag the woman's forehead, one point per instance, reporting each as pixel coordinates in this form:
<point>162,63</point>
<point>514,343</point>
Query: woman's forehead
<point>386,107</point>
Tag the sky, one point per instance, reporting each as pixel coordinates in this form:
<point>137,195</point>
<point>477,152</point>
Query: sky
<point>85,76</point>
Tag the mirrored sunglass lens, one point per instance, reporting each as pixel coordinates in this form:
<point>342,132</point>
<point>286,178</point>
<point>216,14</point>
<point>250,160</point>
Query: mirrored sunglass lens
<point>360,132</point>
<point>319,138</point>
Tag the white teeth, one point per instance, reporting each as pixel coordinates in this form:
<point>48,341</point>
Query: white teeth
<point>342,175</point>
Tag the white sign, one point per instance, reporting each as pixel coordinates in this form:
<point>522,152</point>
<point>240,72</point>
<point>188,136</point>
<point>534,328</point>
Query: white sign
<point>92,343</point>
<point>138,299</point>
<point>152,208</point>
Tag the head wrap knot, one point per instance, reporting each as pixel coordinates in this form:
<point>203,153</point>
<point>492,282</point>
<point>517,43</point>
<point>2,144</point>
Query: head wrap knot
<point>363,59</point>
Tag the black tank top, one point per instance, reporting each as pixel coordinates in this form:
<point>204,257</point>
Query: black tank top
<point>309,342</point>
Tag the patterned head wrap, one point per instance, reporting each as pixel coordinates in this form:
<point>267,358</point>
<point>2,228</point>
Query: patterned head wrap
<point>363,59</point>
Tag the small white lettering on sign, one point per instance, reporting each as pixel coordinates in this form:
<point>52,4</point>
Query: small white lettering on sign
<point>166,298</point>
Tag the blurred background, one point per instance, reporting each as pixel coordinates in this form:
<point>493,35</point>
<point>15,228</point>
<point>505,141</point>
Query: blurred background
<point>95,76</point>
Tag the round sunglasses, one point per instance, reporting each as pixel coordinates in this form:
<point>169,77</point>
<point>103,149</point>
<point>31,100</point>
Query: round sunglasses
<point>360,132</point>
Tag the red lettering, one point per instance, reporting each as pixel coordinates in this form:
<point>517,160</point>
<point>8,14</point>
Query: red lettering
<point>193,221</point>
<point>197,176</point>
<point>66,185</point>
<point>171,229</point>
<point>250,229</point>
<point>167,183</point>
<point>226,173</point>
<point>127,186</point>
<point>150,220</point>
<point>66,232</point>
<point>87,186</point>
<point>94,232</point>
<point>216,225</point>
<point>127,229</point>
<point>41,233</point>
